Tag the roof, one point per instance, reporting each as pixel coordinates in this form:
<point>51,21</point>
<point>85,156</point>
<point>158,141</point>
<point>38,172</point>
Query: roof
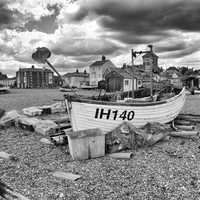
<point>122,72</point>
<point>149,54</point>
<point>187,77</point>
<point>34,69</point>
<point>75,74</point>
<point>98,63</point>
<point>136,70</point>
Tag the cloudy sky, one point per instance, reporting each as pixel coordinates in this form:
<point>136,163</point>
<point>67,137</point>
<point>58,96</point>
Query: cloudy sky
<point>78,32</point>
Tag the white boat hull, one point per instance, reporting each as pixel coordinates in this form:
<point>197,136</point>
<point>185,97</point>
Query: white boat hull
<point>196,91</point>
<point>106,116</point>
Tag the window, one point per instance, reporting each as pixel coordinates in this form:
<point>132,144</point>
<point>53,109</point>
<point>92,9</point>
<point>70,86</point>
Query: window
<point>94,74</point>
<point>126,82</point>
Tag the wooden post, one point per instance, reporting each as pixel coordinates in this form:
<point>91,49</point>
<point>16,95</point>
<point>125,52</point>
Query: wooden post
<point>133,96</point>
<point>132,56</point>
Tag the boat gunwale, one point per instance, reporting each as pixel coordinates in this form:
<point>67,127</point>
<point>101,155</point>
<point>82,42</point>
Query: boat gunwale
<point>90,101</point>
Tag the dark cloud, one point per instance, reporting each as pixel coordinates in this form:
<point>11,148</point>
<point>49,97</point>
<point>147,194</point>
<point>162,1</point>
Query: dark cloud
<point>81,47</point>
<point>137,17</point>
<point>48,23</point>
<point>5,15</point>
<point>136,22</point>
<point>9,18</point>
<point>170,46</point>
<point>140,39</point>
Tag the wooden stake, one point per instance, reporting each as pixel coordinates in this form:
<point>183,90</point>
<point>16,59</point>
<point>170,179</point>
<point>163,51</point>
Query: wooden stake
<point>121,155</point>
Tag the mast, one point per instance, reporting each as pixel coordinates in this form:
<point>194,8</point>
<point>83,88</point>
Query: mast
<point>134,55</point>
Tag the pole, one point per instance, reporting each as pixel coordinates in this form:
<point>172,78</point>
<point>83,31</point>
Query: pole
<point>132,56</point>
<point>52,67</point>
<point>151,79</point>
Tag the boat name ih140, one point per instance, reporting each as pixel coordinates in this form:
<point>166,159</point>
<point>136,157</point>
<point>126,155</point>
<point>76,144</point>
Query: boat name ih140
<point>114,114</point>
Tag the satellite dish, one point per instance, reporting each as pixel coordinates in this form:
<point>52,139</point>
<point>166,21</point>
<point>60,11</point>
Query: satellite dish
<point>41,54</point>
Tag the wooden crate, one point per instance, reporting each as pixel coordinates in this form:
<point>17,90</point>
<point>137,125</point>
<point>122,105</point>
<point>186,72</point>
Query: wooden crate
<point>86,144</point>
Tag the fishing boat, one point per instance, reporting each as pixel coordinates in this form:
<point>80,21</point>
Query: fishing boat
<point>87,114</point>
<point>63,89</point>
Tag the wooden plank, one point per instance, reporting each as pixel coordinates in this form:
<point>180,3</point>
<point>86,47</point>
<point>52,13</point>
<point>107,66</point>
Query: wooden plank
<point>79,148</point>
<point>189,128</point>
<point>97,146</point>
<point>82,100</point>
<point>190,115</point>
<point>182,122</point>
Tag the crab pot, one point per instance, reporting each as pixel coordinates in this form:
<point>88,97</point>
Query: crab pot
<point>86,144</point>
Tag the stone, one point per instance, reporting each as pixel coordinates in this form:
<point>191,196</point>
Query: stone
<point>58,108</point>
<point>9,118</point>
<point>45,141</point>
<point>45,127</point>
<point>65,175</point>
<point>27,123</point>
<point>4,155</point>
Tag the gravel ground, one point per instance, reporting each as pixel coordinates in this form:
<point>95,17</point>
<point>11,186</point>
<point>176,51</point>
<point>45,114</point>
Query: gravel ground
<point>151,174</point>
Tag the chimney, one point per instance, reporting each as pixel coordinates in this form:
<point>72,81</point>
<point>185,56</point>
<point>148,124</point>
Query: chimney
<point>103,58</point>
<point>32,66</point>
<point>77,71</point>
<point>151,47</point>
<point>85,71</point>
<point>124,66</point>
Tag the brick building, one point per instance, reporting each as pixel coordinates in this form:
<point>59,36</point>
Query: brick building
<point>34,78</point>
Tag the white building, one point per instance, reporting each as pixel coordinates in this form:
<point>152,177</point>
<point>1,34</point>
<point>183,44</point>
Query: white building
<point>76,79</point>
<point>97,70</point>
